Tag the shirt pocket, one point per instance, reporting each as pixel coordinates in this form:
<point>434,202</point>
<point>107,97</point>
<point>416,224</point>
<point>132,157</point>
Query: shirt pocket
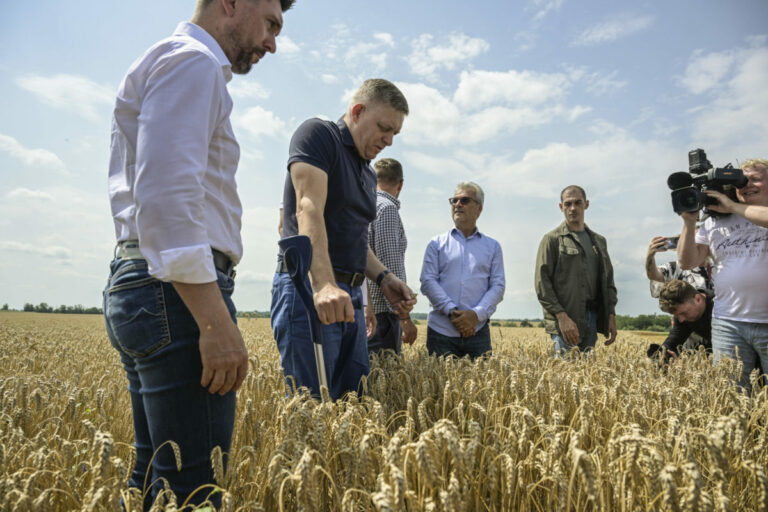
<point>568,247</point>
<point>134,308</point>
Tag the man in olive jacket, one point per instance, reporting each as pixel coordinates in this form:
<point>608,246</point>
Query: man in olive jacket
<point>574,280</point>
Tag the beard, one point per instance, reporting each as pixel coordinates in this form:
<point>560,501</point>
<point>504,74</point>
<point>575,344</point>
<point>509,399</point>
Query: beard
<point>242,56</point>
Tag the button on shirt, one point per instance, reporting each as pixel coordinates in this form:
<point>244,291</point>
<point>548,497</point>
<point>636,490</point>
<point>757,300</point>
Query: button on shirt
<point>463,273</point>
<point>174,156</point>
<point>351,201</point>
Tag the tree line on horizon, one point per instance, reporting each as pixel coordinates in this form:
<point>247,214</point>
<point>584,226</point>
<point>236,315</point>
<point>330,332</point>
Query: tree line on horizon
<point>654,322</point>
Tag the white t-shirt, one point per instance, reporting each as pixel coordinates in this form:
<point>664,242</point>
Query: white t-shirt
<point>739,249</point>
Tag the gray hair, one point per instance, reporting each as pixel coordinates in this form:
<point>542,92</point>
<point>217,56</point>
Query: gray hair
<point>379,90</point>
<point>475,188</point>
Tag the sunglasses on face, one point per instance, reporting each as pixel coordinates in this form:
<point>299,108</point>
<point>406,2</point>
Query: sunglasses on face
<point>460,200</point>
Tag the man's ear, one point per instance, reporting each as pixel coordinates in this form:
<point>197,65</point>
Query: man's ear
<point>356,111</point>
<point>228,6</point>
<point>586,204</point>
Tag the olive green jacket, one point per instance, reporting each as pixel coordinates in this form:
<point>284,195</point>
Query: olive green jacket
<point>560,280</point>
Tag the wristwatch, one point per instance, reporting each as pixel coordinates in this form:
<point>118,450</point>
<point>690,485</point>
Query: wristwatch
<point>380,277</point>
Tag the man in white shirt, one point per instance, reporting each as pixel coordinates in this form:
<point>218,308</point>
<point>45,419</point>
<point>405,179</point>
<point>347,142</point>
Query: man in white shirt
<point>167,305</point>
<point>738,244</point>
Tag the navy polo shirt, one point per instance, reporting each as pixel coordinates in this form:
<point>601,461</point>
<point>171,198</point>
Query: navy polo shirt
<point>351,201</point>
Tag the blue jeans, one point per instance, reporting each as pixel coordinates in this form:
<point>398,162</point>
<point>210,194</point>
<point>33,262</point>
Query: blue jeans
<point>388,334</point>
<point>587,341</point>
<point>746,341</point>
<point>157,339</point>
<point>474,346</point>
<point>345,347</point>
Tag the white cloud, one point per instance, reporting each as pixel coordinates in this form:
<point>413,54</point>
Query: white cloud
<point>258,122</point>
<point>53,251</point>
<point>510,101</point>
<point>544,7</point>
<point>597,83</point>
<point>74,93</point>
<point>25,193</point>
<point>360,54</point>
<point>428,58</point>
<point>480,88</point>
<point>240,88</point>
<point>385,38</point>
<point>442,166</point>
<point>328,78</point>
<point>611,30</point>
<point>732,124</point>
<point>286,47</point>
<point>31,157</point>
<point>249,276</point>
<point>593,164</point>
<point>705,71</point>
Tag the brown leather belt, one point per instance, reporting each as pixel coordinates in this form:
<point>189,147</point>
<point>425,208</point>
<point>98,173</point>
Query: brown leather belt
<point>350,278</point>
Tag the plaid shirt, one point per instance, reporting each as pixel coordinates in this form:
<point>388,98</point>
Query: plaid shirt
<point>386,237</point>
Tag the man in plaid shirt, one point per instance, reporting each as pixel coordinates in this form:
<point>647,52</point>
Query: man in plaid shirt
<point>386,238</point>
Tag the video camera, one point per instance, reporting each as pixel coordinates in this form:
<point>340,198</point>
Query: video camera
<point>688,187</point>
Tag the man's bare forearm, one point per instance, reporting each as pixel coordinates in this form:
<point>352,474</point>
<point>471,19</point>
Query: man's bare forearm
<point>205,303</point>
<point>651,270</point>
<point>373,266</point>
<point>753,213</point>
<point>312,223</point>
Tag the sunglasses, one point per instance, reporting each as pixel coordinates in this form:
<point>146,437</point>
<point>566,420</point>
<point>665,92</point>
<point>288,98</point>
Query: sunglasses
<point>460,200</point>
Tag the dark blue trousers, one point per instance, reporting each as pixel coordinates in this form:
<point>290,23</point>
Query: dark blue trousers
<point>345,346</point>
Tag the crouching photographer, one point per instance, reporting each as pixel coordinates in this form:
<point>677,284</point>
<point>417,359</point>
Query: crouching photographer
<point>692,312</point>
<point>735,235</point>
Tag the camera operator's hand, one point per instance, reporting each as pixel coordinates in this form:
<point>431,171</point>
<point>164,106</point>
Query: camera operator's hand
<point>568,328</point>
<point>657,245</point>
<point>690,217</point>
<point>724,203</point>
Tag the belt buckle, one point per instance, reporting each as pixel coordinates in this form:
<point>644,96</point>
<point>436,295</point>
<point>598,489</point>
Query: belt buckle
<point>357,279</point>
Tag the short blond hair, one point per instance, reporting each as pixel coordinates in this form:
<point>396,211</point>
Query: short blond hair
<point>752,163</point>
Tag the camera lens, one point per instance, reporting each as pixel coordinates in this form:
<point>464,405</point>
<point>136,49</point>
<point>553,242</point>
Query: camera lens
<point>686,200</point>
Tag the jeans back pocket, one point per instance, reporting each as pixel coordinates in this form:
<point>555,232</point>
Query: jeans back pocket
<point>134,307</point>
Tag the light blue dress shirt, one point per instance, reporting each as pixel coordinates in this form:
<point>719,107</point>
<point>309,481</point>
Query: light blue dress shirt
<point>463,273</point>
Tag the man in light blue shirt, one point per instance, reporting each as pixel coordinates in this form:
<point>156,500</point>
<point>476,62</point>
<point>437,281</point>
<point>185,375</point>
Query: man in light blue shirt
<point>463,278</point>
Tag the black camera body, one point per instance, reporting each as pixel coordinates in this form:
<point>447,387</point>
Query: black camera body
<point>688,187</point>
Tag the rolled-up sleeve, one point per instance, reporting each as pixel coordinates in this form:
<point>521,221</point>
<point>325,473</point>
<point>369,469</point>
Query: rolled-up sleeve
<point>430,280</point>
<point>179,113</point>
<point>496,285</point>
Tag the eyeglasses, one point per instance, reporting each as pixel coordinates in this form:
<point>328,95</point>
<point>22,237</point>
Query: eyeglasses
<point>460,200</point>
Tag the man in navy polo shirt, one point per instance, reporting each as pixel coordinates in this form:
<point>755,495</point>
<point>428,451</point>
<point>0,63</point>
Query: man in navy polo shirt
<point>330,196</point>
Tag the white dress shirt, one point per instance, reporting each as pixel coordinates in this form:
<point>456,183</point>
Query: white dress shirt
<point>174,156</point>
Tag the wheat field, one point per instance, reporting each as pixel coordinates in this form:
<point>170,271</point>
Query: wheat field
<point>519,431</point>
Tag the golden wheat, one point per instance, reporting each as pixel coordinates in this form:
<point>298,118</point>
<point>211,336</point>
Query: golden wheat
<point>517,431</point>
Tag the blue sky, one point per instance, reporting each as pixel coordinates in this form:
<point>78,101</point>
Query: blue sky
<point>524,97</point>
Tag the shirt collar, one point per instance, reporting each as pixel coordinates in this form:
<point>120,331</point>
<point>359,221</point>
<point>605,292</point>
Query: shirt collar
<point>390,197</point>
<point>563,229</point>
<point>346,138</point>
<point>477,233</point>
<point>198,33</point>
